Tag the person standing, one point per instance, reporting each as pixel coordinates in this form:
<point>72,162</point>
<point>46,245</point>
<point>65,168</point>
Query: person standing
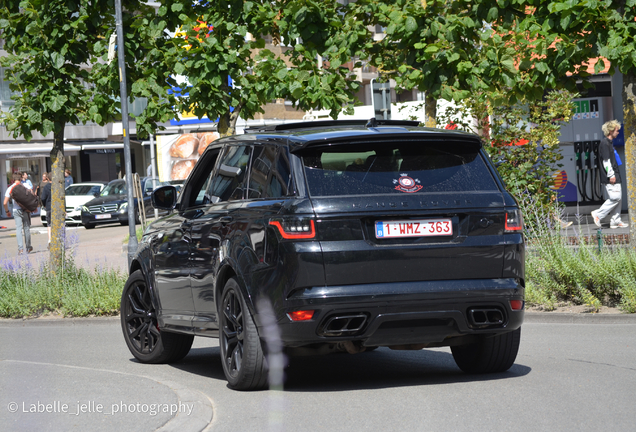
<point>26,182</point>
<point>611,179</point>
<point>40,187</point>
<point>46,199</point>
<point>21,216</point>
<point>68,180</point>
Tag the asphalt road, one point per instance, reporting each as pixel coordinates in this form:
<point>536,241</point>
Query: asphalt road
<point>568,377</point>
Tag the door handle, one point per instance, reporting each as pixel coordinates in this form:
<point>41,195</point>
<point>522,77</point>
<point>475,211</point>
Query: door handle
<point>226,219</point>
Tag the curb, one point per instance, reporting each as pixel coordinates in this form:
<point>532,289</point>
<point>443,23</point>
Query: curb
<point>578,318</point>
<point>59,320</point>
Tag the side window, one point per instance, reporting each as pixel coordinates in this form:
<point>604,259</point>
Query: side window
<point>201,179</point>
<point>227,184</point>
<point>262,164</point>
<point>280,181</point>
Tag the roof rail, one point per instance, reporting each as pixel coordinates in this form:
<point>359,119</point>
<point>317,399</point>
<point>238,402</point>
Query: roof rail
<point>326,123</point>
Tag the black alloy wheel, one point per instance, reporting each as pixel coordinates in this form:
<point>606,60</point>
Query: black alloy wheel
<point>241,352</point>
<point>141,331</point>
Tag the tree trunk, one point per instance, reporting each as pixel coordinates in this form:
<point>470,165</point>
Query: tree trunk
<point>629,130</point>
<point>58,210</point>
<point>430,109</point>
<point>223,128</point>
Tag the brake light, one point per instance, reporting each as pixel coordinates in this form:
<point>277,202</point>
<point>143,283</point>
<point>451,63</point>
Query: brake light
<point>514,221</point>
<point>301,315</point>
<point>295,229</point>
<point>516,304</point>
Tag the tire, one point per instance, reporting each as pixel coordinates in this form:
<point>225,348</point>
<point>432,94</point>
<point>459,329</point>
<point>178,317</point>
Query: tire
<point>490,355</point>
<point>89,226</point>
<point>141,332</point>
<point>123,223</point>
<point>242,355</point>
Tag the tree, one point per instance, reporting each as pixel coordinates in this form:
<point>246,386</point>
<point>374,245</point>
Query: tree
<point>57,60</point>
<point>49,45</point>
<point>230,72</point>
<point>564,36</point>
<point>523,140</point>
<point>450,50</point>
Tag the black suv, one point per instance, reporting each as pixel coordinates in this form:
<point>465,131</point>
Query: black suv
<point>332,236</point>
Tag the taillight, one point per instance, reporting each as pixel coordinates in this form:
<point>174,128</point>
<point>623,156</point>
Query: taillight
<point>301,315</point>
<point>516,304</point>
<point>514,221</point>
<point>296,228</point>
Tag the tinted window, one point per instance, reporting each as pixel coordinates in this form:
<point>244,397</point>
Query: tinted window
<point>396,168</point>
<point>262,164</point>
<point>280,181</point>
<point>270,174</point>
<point>227,184</point>
<point>201,179</point>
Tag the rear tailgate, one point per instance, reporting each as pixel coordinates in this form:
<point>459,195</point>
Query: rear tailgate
<point>406,210</point>
<point>437,239</point>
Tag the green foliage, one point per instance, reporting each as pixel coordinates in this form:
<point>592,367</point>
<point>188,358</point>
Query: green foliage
<point>522,139</point>
<point>223,38</point>
<point>447,49</point>
<point>48,45</point>
<point>27,290</point>
<point>557,271</point>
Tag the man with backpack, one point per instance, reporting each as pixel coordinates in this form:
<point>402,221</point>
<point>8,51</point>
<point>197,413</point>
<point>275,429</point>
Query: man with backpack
<point>21,215</point>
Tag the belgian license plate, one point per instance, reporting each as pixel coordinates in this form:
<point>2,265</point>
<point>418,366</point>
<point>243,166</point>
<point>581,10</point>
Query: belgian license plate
<point>414,228</point>
<point>102,216</point>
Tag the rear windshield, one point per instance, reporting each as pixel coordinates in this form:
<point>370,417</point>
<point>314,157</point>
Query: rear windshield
<point>396,168</point>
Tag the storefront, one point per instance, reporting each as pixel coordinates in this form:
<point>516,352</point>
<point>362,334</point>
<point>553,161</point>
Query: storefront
<point>32,158</point>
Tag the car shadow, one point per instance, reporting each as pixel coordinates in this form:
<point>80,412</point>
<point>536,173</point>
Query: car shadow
<point>382,368</point>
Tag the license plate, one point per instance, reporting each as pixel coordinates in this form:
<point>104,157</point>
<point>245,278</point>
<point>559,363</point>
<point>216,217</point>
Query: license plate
<point>414,228</point>
<point>102,216</point>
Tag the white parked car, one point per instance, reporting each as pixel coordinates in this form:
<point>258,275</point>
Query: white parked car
<point>77,194</point>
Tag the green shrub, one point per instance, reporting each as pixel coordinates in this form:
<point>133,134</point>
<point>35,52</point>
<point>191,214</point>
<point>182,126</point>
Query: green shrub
<point>581,273</point>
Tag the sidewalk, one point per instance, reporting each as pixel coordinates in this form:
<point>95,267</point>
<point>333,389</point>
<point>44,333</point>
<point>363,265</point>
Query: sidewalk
<point>99,247</point>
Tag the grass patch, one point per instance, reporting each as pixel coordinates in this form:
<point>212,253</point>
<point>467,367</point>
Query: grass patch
<point>584,274</point>
<point>139,231</point>
<point>29,288</point>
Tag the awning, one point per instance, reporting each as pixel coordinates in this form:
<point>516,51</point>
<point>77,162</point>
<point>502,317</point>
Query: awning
<point>97,146</point>
<point>33,150</point>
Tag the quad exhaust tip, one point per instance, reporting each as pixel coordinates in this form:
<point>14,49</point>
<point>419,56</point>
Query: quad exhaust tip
<point>485,317</point>
<point>340,325</point>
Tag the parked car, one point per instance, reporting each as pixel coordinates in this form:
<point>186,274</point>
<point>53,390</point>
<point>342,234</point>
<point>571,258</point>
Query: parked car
<point>112,203</point>
<point>74,196</point>
<point>332,236</point>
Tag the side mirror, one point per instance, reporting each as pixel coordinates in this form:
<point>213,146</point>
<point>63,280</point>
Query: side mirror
<point>164,197</point>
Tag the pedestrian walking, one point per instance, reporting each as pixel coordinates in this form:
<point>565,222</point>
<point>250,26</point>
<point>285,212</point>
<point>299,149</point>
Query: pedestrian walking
<point>611,179</point>
<point>21,216</point>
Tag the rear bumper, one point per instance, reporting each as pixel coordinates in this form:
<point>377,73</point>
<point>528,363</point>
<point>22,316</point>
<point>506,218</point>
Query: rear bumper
<point>433,313</point>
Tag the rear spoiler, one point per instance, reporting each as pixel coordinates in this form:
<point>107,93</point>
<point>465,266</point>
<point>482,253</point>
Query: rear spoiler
<point>330,123</point>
